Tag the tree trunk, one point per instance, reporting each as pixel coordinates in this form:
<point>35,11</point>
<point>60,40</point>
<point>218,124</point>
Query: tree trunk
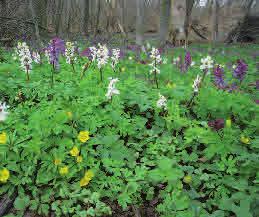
<point>140,22</point>
<point>97,17</point>
<point>165,6</point>
<point>171,30</point>
<point>189,6</point>
<point>35,21</point>
<point>86,16</point>
<point>215,20</point>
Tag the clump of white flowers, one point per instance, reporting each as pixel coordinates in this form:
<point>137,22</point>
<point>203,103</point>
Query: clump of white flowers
<point>70,52</point>
<point>3,111</point>
<point>196,84</point>
<point>102,55</point>
<point>206,63</point>
<point>112,90</point>
<point>161,102</point>
<point>115,57</point>
<point>23,53</point>
<point>36,57</point>
<point>156,59</point>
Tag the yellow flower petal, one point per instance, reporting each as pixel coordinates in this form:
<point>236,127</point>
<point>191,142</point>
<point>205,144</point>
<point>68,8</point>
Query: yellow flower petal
<point>69,115</point>
<point>83,136</point>
<point>245,140</point>
<point>84,182</point>
<point>89,174</point>
<point>3,138</point>
<point>63,170</point>
<point>187,179</point>
<point>228,123</point>
<point>79,159</point>
<point>4,175</point>
<point>57,161</point>
<point>87,178</point>
<point>74,151</point>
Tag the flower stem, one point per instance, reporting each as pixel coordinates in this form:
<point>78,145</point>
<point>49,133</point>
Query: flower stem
<point>156,79</point>
<point>52,75</point>
<point>101,74</point>
<point>27,74</point>
<point>73,67</point>
<point>156,76</point>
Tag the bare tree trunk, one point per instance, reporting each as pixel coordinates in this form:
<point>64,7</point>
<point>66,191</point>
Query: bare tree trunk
<point>215,20</point>
<point>165,7</point>
<point>139,22</point>
<point>35,21</point>
<point>86,16</point>
<point>171,30</point>
<point>189,6</point>
<point>97,17</point>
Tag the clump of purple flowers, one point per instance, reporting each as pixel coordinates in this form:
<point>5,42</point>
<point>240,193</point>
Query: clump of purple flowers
<point>241,70</point>
<point>219,77</point>
<point>55,49</point>
<point>217,124</point>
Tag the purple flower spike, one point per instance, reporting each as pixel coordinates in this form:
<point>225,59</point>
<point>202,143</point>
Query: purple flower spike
<point>241,70</point>
<point>188,60</point>
<point>219,77</point>
<point>55,49</point>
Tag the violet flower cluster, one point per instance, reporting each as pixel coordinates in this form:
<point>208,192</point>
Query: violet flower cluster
<point>219,77</point>
<point>240,70</point>
<point>54,50</point>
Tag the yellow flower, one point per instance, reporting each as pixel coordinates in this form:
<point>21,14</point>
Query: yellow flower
<point>79,159</point>
<point>171,85</point>
<point>87,178</point>
<point>3,138</point>
<point>63,170</point>
<point>4,175</point>
<point>57,161</point>
<point>245,140</point>
<point>83,136</point>
<point>74,151</point>
<point>89,174</point>
<point>187,179</point>
<point>69,115</point>
<point>228,123</point>
<point>123,69</point>
<point>84,182</point>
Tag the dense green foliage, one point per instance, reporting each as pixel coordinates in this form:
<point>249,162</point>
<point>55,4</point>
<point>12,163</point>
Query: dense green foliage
<point>137,152</point>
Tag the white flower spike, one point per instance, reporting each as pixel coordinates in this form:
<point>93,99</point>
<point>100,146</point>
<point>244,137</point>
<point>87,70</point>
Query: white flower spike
<point>196,84</point>
<point>112,90</point>
<point>162,102</point>
<point>3,112</point>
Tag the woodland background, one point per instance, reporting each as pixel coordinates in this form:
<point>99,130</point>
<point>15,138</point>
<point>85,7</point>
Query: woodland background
<point>166,20</point>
